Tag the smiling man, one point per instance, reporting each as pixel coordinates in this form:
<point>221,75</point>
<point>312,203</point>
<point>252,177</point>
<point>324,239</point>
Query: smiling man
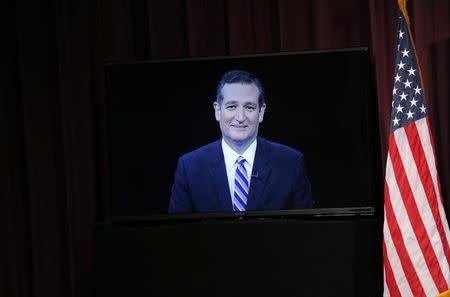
<point>241,171</point>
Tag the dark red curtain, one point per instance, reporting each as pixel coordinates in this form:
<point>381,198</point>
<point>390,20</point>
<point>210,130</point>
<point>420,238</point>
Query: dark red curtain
<point>53,109</point>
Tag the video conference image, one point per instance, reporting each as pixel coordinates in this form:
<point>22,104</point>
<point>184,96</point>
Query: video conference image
<point>225,148</point>
<point>251,133</point>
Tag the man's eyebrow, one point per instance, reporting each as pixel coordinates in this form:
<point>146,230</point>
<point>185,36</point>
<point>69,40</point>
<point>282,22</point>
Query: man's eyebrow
<point>230,102</point>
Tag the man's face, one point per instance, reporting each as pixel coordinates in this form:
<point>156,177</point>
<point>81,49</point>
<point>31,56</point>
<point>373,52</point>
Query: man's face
<point>239,114</point>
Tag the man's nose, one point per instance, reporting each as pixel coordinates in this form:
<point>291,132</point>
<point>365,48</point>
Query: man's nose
<point>240,114</point>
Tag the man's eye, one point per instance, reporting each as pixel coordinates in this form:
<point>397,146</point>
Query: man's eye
<point>231,107</point>
<point>250,108</point>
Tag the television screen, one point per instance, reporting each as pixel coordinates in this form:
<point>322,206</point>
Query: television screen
<point>320,103</point>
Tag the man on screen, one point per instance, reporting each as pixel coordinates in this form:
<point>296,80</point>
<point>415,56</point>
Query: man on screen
<point>241,171</point>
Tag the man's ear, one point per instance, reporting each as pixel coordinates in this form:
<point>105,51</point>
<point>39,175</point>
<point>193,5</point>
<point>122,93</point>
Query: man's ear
<point>261,112</point>
<point>217,110</point>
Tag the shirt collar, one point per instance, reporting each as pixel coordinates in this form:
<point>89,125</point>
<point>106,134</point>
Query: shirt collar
<point>231,156</point>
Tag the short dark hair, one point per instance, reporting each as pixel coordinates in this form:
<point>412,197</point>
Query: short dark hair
<point>243,77</point>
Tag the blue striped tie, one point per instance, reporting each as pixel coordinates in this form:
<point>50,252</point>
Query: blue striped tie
<point>241,186</point>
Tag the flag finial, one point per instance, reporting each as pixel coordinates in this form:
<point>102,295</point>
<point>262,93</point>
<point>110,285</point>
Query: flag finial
<point>402,6</point>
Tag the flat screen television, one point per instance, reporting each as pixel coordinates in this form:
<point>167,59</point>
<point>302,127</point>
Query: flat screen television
<point>322,103</point>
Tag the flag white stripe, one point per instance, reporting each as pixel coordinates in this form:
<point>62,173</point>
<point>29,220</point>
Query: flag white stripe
<point>424,136</point>
<point>409,237</point>
<point>399,275</point>
<point>386,289</point>
<point>420,198</point>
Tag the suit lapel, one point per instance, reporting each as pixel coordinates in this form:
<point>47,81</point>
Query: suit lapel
<point>260,174</point>
<point>219,178</point>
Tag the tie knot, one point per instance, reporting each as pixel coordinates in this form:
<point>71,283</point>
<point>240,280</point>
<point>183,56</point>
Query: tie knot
<point>241,160</point>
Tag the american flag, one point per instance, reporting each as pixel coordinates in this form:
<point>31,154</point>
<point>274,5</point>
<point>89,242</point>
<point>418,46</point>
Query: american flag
<point>416,235</point>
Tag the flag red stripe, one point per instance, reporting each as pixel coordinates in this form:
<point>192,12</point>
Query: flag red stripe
<point>394,291</point>
<point>430,190</point>
<point>431,136</point>
<point>441,201</point>
<point>434,153</point>
<point>399,243</point>
<point>414,213</point>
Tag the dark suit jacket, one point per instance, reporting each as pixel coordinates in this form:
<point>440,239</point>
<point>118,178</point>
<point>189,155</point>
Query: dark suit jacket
<point>278,180</point>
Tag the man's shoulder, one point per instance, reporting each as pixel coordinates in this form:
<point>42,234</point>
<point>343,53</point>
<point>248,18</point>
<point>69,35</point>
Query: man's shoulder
<point>278,150</point>
<point>202,153</point>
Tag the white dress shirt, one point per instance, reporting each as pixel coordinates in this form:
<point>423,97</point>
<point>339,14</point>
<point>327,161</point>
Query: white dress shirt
<point>230,157</point>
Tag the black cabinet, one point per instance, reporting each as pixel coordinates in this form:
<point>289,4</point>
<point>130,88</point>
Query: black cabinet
<point>240,257</point>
